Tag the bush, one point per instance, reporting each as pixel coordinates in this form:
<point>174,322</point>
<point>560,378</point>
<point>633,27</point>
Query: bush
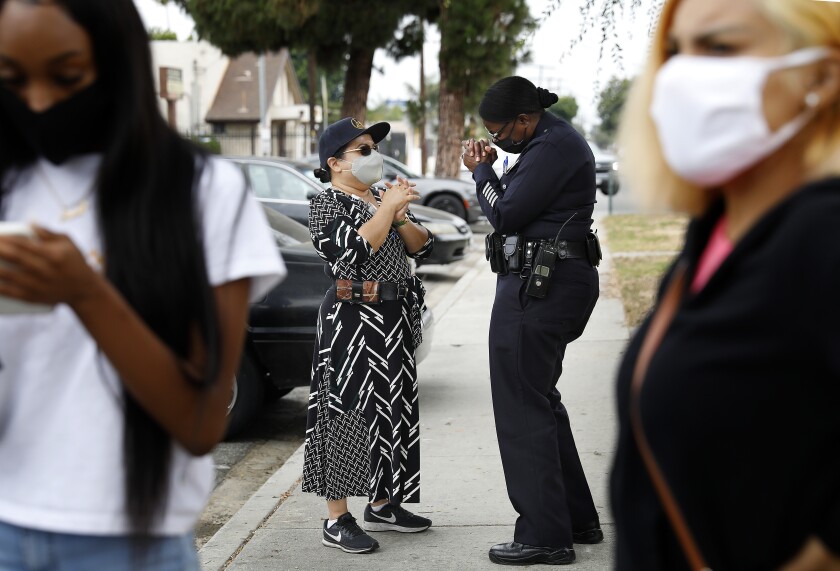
<point>209,143</point>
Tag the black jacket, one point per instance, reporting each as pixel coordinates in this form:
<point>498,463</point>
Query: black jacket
<point>741,402</point>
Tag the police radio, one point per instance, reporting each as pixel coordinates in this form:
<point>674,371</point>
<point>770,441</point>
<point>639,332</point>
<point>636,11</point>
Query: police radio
<point>541,270</point>
<point>543,265</point>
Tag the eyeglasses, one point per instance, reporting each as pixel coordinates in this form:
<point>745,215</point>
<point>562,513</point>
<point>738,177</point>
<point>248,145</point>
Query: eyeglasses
<point>363,149</point>
<point>495,135</point>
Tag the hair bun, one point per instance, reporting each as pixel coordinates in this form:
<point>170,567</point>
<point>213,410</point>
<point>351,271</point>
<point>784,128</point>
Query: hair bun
<point>546,98</point>
<point>321,174</point>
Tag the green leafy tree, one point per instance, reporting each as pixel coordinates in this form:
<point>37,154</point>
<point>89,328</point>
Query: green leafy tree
<point>566,107</point>
<point>161,34</point>
<point>610,103</point>
<point>481,42</point>
<point>340,35</point>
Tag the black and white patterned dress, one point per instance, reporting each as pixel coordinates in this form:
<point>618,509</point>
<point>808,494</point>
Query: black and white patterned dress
<point>362,431</point>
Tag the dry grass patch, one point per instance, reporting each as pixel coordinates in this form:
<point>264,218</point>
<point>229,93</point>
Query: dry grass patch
<point>642,233</point>
<point>642,248</point>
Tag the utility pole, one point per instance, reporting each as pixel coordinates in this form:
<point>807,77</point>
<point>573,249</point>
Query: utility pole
<point>312,78</point>
<point>325,103</point>
<point>424,159</point>
<point>265,131</point>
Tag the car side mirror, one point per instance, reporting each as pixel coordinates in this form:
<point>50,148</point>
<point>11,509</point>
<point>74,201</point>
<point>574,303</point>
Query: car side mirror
<point>310,194</point>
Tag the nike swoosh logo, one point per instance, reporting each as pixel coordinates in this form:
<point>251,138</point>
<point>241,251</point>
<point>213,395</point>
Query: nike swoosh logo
<point>392,519</point>
<point>335,537</point>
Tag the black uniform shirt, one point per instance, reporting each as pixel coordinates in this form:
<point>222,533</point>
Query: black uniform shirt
<point>741,401</point>
<point>553,179</point>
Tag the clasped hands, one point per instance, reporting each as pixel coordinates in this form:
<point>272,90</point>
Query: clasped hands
<point>399,196</point>
<point>476,152</point>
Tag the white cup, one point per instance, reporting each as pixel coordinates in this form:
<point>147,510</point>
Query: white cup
<point>7,304</point>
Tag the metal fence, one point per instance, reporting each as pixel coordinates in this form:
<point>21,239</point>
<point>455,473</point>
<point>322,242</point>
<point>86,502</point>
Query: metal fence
<point>291,145</point>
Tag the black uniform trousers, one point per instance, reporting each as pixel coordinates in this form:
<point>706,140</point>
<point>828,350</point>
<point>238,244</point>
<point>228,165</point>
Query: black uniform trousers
<point>528,337</point>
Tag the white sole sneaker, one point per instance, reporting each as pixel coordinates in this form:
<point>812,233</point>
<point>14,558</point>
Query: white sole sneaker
<point>377,526</point>
<point>347,549</point>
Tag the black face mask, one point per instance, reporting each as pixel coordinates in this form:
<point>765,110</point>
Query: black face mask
<point>74,126</point>
<point>508,145</point>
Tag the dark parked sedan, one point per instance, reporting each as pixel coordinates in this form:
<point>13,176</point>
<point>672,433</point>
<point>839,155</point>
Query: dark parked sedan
<point>281,327</point>
<point>285,185</point>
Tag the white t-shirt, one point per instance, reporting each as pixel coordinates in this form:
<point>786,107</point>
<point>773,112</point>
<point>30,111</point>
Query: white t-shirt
<point>61,422</point>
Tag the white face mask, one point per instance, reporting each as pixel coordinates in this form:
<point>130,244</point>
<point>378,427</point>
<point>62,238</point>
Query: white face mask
<point>709,113</point>
<point>368,170</point>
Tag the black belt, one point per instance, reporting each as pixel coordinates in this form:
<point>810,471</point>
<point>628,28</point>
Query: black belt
<point>391,291</point>
<point>566,250</point>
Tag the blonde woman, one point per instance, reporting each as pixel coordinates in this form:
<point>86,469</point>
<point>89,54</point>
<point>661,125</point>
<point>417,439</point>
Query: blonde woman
<point>728,393</point>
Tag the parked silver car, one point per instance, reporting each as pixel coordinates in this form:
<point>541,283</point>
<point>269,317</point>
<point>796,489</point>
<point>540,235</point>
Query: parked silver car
<point>449,194</point>
<point>287,186</point>
<point>606,169</point>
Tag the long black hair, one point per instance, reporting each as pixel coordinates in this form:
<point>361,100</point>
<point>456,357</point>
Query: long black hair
<point>148,219</point>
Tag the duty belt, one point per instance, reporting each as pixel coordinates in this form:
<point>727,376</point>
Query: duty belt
<point>565,250</point>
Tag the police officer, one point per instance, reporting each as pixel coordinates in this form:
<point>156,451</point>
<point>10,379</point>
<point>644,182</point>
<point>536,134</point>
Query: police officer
<point>549,190</point>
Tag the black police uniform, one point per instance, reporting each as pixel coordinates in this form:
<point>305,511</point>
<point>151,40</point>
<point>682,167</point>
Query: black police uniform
<point>553,180</point>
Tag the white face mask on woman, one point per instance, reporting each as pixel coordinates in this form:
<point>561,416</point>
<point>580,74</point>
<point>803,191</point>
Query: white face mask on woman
<point>709,113</point>
<point>368,169</point>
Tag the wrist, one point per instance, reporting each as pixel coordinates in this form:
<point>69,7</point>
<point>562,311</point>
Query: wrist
<point>97,291</point>
<point>400,223</point>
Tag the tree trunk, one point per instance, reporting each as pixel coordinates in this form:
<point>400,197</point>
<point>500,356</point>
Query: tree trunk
<point>312,79</point>
<point>357,83</point>
<point>451,125</point>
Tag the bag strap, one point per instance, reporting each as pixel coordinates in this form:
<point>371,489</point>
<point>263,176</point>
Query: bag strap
<point>658,326</point>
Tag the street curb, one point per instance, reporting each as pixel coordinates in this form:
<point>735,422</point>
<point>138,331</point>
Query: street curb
<point>220,551</point>
<point>223,547</point>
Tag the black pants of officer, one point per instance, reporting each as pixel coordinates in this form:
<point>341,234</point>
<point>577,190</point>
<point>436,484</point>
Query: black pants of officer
<point>528,338</point>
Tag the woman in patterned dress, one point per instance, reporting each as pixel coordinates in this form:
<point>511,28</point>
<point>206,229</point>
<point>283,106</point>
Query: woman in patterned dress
<point>363,434</point>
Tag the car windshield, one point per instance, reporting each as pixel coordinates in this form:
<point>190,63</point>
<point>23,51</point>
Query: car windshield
<point>403,169</point>
<point>286,231</point>
<point>596,150</point>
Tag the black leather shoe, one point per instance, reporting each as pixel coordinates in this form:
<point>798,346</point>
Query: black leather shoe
<point>589,534</point>
<point>519,554</point>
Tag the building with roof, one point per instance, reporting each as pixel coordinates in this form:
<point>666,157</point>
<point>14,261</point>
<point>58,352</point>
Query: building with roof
<point>221,99</point>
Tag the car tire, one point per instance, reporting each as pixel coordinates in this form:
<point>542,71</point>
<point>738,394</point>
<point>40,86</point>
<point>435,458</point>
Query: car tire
<point>605,188</point>
<point>247,397</point>
<point>447,202</point>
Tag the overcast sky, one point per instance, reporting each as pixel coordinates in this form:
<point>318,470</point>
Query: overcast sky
<point>579,73</point>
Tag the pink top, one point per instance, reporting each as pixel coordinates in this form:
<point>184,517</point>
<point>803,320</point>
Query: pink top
<point>718,247</point>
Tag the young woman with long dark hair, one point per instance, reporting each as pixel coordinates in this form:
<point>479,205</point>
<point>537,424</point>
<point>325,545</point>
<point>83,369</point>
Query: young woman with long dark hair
<point>148,252</point>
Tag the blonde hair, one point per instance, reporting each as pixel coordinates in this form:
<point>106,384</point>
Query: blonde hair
<point>808,23</point>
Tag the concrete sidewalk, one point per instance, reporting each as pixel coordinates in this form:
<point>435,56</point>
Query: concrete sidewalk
<point>463,488</point>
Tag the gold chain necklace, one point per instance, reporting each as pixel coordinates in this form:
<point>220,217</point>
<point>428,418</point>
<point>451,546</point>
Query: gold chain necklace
<point>68,212</point>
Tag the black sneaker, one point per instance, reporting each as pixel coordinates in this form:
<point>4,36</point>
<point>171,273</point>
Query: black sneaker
<point>346,535</point>
<point>394,518</point>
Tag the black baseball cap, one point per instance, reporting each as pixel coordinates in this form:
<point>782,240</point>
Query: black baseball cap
<point>345,130</point>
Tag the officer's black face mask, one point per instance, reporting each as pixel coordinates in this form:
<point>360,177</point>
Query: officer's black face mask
<point>508,145</point>
<point>71,127</point>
